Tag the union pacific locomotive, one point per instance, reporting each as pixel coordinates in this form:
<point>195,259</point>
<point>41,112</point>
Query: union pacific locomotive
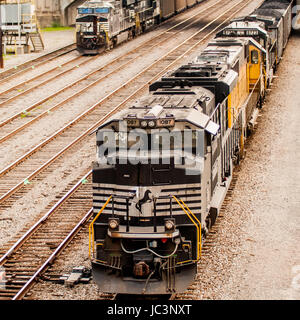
<point>165,163</point>
<point>105,23</point>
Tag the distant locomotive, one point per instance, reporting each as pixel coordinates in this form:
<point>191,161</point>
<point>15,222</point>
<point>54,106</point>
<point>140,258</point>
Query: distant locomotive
<point>106,23</point>
<point>164,164</point>
<point>103,24</point>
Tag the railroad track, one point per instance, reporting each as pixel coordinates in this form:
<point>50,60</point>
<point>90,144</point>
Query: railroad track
<point>21,120</point>
<point>20,90</point>
<point>22,265</point>
<point>23,88</point>
<point>27,167</point>
<point>36,62</point>
<point>48,237</point>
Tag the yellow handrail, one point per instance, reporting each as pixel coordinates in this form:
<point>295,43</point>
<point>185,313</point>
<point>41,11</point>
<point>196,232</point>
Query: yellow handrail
<point>196,225</point>
<point>183,206</point>
<point>199,235</point>
<point>91,227</point>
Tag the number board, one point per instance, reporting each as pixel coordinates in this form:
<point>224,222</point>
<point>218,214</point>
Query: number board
<point>165,123</point>
<point>133,123</point>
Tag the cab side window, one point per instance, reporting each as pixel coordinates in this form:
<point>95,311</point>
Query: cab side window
<point>254,57</point>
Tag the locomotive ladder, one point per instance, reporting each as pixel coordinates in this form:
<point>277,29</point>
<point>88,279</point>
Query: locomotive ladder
<point>196,223</point>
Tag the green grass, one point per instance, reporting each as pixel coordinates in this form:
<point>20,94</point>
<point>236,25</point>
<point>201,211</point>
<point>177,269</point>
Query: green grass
<point>56,29</point>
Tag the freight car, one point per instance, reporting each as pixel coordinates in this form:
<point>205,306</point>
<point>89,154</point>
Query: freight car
<point>165,163</point>
<point>106,23</point>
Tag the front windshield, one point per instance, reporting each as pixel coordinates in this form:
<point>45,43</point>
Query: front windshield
<point>87,27</point>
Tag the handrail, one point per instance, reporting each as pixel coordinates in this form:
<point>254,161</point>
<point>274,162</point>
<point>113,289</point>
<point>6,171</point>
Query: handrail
<point>200,234</point>
<point>91,227</point>
<point>197,227</point>
<point>180,202</point>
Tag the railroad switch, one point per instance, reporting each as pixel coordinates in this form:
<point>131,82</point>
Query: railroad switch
<point>78,275</point>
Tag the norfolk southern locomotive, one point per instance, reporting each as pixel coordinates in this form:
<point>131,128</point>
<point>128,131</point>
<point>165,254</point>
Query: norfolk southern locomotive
<point>154,207</point>
<point>105,23</point>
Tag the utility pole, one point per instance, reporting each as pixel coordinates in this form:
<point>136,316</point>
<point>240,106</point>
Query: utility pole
<point>19,24</point>
<point>1,47</point>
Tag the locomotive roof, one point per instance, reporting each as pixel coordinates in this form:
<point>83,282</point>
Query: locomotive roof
<point>193,105</point>
<point>232,47</point>
<point>244,23</point>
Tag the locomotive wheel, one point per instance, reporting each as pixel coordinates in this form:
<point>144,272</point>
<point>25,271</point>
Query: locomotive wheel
<point>157,20</point>
<point>260,102</point>
<point>133,31</point>
<point>130,34</point>
<point>110,45</point>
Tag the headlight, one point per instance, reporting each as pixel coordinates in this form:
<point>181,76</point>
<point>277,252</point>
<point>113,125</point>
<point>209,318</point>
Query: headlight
<point>144,124</point>
<point>151,124</point>
<point>169,224</point>
<point>113,223</point>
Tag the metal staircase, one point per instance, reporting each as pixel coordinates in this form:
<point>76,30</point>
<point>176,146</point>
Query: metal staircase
<point>20,30</point>
<point>37,41</point>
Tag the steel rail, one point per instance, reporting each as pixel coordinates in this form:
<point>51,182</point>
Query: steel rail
<point>12,72</point>
<point>46,81</point>
<point>16,85</point>
<point>22,68</point>
<point>44,73</point>
<point>53,256</point>
<point>29,233</point>
<point>139,90</point>
<point>97,81</point>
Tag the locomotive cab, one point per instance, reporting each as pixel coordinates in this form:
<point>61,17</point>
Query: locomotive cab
<point>91,25</point>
